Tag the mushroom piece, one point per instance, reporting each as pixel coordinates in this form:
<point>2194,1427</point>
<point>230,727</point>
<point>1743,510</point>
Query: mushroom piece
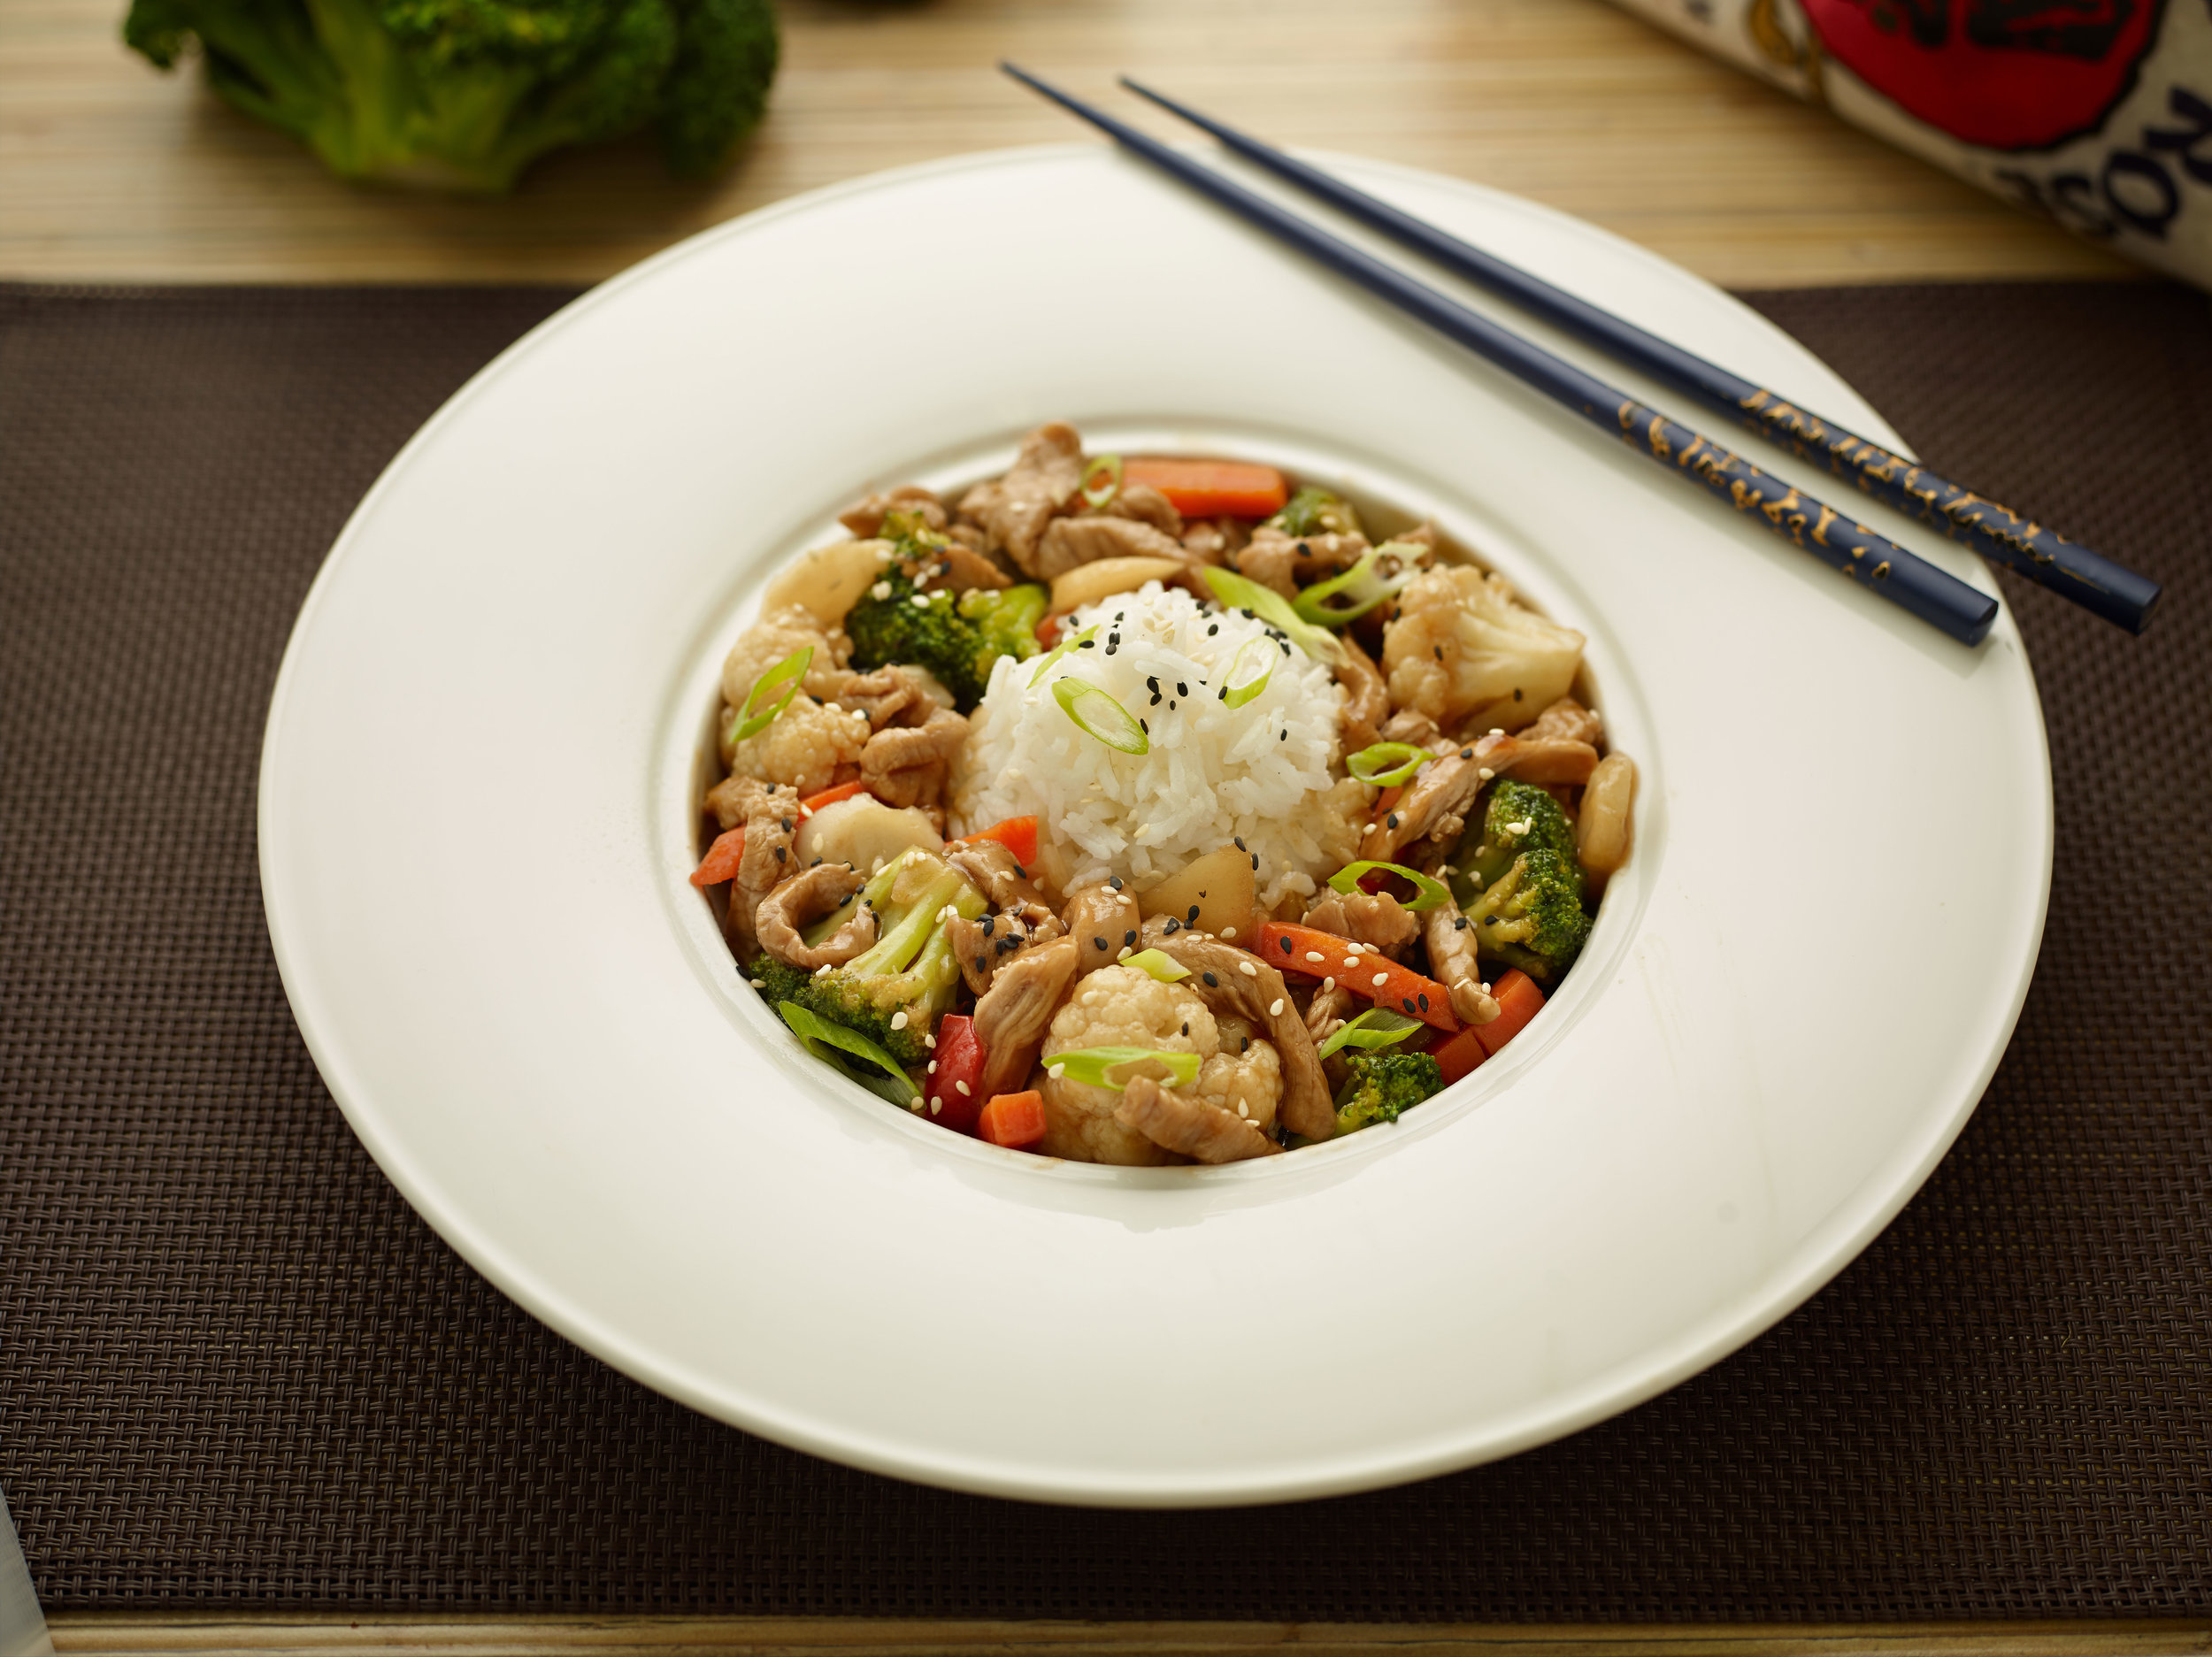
<point>805,898</point>
<point>1236,982</point>
<point>1190,1127</point>
<point>862,832</point>
<point>905,765</point>
<point>1103,920</point>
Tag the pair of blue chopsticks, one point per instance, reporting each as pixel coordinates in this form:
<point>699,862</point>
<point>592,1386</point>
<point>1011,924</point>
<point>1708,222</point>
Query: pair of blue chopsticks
<point>2095,583</point>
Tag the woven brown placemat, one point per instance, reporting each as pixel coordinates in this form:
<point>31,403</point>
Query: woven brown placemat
<point>236,1369</point>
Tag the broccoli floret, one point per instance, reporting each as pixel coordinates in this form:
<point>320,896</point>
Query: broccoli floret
<point>957,639</point>
<point>464,94</point>
<point>1519,817</point>
<point>1383,1086</point>
<point>1315,511</point>
<point>894,992</point>
<point>1531,916</point>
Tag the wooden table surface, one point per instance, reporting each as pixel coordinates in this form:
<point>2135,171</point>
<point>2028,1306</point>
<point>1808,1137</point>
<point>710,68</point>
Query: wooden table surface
<point>111,171</point>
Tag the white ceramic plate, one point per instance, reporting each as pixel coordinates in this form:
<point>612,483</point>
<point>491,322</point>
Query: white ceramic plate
<point>477,802</point>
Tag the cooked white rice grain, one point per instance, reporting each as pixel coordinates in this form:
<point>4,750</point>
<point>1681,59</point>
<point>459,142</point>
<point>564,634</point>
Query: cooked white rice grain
<point>1259,774</point>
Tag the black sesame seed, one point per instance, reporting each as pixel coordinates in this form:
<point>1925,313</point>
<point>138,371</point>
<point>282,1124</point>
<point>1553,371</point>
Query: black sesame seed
<point>1173,925</point>
<point>781,853</point>
<point>816,861</point>
<point>1212,630</point>
<point>1406,1001</point>
<point>1439,651</point>
<point>989,921</point>
<point>1489,920</point>
<point>1187,1026</point>
<point>1284,735</point>
<point>1393,819</point>
<point>1304,551</point>
<point>1466,753</point>
<point>1460,925</point>
<point>1194,916</point>
<point>1171,704</point>
<point>1114,881</point>
<point>1181,689</point>
<point>1255,860</point>
<point>787,825</point>
<point>1246,1048</point>
<point>1087,643</point>
<point>1129,937</point>
<point>1142,726</point>
<point>1101,942</point>
<point>982,965</point>
<point>1423,999</point>
<point>1211,982</point>
<point>1241,844</point>
<point>1152,679</point>
<point>1516,692</point>
<point>1286,944</point>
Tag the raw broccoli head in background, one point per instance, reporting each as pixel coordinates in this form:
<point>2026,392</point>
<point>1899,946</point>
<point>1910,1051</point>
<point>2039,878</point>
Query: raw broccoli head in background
<point>957,639</point>
<point>464,94</point>
<point>894,992</point>
<point>1383,1086</point>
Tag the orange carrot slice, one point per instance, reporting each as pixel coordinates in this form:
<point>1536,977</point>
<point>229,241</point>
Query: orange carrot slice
<point>1018,834</point>
<point>1459,1055</point>
<point>1320,955</point>
<point>722,858</point>
<point>1211,488</point>
<point>1015,1120</point>
<point>1519,1000</point>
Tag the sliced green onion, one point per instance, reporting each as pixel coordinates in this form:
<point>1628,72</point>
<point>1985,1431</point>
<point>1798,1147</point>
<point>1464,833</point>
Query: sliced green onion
<point>815,1033</point>
<point>1097,714</point>
<point>1059,650</point>
<point>1262,650</point>
<point>1344,599</point>
<point>1432,892</point>
<point>753,719</point>
<point>1240,592</point>
<point>1093,1065</point>
<point>1386,764</point>
<point>1162,966</point>
<point>1377,1027</point>
<point>1102,481</point>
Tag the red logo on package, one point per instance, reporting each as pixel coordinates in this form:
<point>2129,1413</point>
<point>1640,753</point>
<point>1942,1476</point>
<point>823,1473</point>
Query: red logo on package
<point>2005,74</point>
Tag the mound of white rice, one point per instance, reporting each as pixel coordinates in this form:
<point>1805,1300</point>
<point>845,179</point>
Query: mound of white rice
<point>1259,774</point>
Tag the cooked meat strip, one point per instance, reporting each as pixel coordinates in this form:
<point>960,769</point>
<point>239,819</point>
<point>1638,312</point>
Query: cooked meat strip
<point>1213,540</point>
<point>865,517</point>
<point>1412,726</point>
<point>958,569</point>
<point>1286,562</point>
<point>1147,505</point>
<point>1566,720</point>
<point>1328,1008</point>
<point>1070,542</point>
<point>805,898</point>
<point>1015,509</point>
<point>1376,919</point>
<point>1434,806</point>
<point>1103,921</point>
<point>1190,1127</point>
<point>770,816</point>
<point>897,695</point>
<point>1366,701</point>
<point>1235,981</point>
<point>998,874</point>
<point>905,765</point>
<point>1012,1017</point>
<point>1450,941</point>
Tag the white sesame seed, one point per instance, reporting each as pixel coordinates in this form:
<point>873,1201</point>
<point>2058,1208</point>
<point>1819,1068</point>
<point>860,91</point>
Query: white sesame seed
<point>915,1103</point>
<point>1497,730</point>
<point>1248,968</point>
<point>1228,932</point>
<point>930,1042</point>
<point>1482,773</point>
<point>1056,1071</point>
<point>1351,963</point>
<point>936,1106</point>
<point>822,971</point>
<point>1275,1008</point>
<point>760,984</point>
<point>1327,984</point>
<point>962,1088</point>
<point>1314,955</point>
<point>1243,1110</point>
<point>1381,978</point>
<point>933,1067</point>
<point>880,591</point>
<point>898,1021</point>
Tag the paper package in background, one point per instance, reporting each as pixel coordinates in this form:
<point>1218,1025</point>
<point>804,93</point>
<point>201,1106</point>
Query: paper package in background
<point>2097,113</point>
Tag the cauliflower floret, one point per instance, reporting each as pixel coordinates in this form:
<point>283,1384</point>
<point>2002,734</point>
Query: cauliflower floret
<point>804,746</point>
<point>1117,1007</point>
<point>1463,651</point>
<point>1248,1084</point>
<point>775,636</point>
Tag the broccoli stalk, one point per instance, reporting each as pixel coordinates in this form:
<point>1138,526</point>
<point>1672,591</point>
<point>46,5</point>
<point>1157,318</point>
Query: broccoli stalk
<point>464,94</point>
<point>893,992</point>
<point>1383,1086</point>
<point>957,639</point>
<point>1522,887</point>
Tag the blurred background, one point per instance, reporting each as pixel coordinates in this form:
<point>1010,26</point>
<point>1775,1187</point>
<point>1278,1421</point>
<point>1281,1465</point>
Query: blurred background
<point>112,171</point>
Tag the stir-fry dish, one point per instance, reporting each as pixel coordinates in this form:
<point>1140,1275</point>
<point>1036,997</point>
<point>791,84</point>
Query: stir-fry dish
<point>1152,810</point>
